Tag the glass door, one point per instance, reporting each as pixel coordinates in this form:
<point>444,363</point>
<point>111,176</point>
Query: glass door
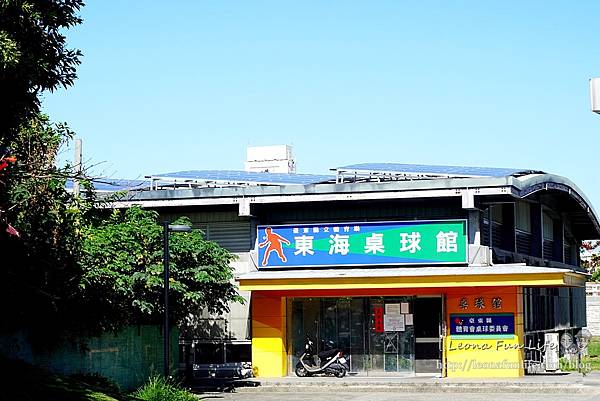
<point>342,325</point>
<point>428,334</point>
<point>391,336</point>
<point>375,334</point>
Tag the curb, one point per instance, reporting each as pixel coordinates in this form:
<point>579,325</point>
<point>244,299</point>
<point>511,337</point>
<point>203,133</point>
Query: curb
<point>500,387</point>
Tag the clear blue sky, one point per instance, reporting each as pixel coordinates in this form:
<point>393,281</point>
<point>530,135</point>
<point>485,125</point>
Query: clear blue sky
<point>170,86</point>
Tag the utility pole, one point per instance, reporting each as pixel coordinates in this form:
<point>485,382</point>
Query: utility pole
<point>166,343</point>
<point>167,228</point>
<point>595,94</point>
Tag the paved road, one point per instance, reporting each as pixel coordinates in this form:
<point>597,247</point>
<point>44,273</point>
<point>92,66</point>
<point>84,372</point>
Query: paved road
<point>363,396</point>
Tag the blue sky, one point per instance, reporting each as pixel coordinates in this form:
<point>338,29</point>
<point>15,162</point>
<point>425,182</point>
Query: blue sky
<point>170,86</point>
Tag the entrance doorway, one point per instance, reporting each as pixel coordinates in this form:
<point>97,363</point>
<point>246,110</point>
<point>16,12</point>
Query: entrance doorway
<point>377,334</point>
<point>428,334</point>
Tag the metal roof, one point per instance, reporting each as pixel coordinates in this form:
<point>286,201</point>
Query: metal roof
<point>432,171</point>
<point>233,177</point>
<point>586,224</point>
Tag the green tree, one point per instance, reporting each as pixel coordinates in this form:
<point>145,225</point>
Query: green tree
<point>40,272</point>
<point>122,263</point>
<point>33,57</point>
<point>77,270</point>
<point>592,261</point>
<point>70,272</point>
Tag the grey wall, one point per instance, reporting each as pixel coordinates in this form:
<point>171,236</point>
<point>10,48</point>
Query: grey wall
<point>128,357</point>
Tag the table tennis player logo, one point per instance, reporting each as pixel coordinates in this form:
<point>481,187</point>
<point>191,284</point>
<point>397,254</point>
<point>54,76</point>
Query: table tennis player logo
<point>458,321</point>
<point>273,242</point>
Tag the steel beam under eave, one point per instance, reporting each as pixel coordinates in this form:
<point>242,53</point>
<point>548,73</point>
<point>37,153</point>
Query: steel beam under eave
<point>436,193</point>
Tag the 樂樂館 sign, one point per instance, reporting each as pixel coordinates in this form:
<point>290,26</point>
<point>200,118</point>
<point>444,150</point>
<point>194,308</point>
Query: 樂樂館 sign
<point>356,244</point>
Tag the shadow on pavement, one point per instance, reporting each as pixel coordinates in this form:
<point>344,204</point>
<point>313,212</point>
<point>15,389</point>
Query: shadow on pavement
<point>217,385</point>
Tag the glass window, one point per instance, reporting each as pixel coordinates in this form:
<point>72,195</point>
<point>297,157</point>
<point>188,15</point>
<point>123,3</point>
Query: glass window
<point>209,353</point>
<point>496,211</point>
<point>238,353</point>
<point>523,216</point>
<point>548,227</point>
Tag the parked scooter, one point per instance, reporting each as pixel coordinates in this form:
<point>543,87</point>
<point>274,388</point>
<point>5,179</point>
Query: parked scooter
<point>328,362</point>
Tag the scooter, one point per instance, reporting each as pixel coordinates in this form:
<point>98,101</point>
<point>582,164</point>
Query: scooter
<point>330,362</point>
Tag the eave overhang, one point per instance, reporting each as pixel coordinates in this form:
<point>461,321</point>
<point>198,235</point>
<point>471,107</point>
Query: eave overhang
<point>406,277</point>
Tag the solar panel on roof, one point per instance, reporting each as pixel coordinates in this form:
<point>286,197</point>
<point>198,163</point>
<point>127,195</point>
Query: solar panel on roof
<point>436,170</point>
<point>120,185</point>
<point>245,176</point>
<point>108,185</point>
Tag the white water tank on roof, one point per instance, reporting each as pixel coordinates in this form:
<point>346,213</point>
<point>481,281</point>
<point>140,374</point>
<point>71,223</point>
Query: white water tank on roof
<point>271,159</point>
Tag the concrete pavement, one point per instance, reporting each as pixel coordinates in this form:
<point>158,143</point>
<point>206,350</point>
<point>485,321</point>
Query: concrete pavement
<point>400,396</point>
<point>571,383</point>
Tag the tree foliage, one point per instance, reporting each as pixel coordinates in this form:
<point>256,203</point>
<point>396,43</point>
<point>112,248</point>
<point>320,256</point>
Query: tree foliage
<point>592,259</point>
<point>70,272</point>
<point>77,270</point>
<point>123,270</point>
<point>33,57</point>
<point>40,272</point>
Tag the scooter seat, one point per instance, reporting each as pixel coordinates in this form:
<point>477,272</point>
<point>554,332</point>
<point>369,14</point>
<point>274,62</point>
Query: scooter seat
<point>328,354</point>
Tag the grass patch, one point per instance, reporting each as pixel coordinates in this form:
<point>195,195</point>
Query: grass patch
<point>593,358</point>
<point>588,363</point>
<point>160,389</point>
<point>594,347</point>
<point>21,381</point>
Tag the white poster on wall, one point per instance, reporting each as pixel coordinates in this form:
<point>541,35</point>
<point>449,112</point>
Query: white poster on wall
<point>404,307</point>
<point>408,319</point>
<point>393,322</point>
<point>392,309</point>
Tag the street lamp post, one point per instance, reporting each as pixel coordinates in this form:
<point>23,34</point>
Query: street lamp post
<point>595,94</point>
<point>166,229</point>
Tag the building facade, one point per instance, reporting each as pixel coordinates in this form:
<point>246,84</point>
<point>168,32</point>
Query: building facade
<point>458,272</point>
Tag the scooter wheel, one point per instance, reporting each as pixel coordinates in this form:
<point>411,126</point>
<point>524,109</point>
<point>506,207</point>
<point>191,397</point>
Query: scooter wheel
<point>301,371</point>
<point>340,373</point>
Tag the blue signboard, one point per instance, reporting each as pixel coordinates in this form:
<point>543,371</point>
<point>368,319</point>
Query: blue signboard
<point>482,325</point>
<point>356,244</point>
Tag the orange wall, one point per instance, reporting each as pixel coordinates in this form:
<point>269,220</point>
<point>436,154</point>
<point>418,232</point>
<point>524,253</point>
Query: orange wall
<point>508,295</point>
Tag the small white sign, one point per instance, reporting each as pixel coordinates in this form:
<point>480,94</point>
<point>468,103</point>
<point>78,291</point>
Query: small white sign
<point>393,322</point>
<point>408,319</point>
<point>392,309</point>
<point>404,307</point>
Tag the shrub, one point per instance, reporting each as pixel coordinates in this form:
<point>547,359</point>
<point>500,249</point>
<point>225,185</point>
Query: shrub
<point>160,389</point>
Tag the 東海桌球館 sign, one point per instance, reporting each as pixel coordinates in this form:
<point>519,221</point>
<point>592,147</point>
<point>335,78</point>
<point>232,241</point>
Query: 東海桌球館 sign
<point>356,244</point>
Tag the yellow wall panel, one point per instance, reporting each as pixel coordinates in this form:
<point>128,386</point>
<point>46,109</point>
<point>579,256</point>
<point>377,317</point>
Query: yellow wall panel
<point>268,344</point>
<point>484,358</point>
<point>268,335</point>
